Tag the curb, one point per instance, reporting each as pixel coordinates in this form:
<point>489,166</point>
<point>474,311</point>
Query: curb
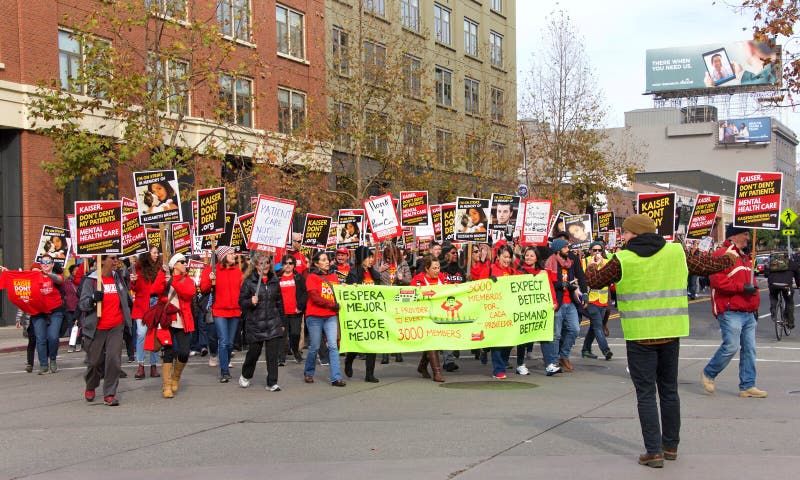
<point>22,348</point>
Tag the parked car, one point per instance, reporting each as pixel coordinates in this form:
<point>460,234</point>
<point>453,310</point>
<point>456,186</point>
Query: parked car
<point>761,264</point>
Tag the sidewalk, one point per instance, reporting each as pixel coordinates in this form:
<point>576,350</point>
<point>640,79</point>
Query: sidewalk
<point>11,340</point>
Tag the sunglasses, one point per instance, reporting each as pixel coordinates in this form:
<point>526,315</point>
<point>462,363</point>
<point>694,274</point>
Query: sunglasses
<point>181,261</point>
<point>45,262</point>
<point>288,263</point>
<point>596,250</point>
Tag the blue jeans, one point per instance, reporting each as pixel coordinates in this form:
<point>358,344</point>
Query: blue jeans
<point>566,320</point>
<point>595,315</point>
<point>141,332</point>
<point>226,328</point>
<point>500,356</point>
<point>315,327</point>
<point>47,326</point>
<point>738,330</point>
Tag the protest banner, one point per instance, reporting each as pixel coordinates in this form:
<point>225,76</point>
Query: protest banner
<point>315,231</point>
<point>448,222</point>
<point>99,227</point>
<point>237,239</point>
<point>659,206</point>
<point>348,233</point>
<point>472,219</point>
<point>181,238</point>
<point>129,206</point>
<point>414,208</point>
<point>134,236</point>
<point>210,214</point>
<point>24,289</point>
<point>605,222</point>
<point>54,241</point>
<point>157,196</point>
<point>535,221</point>
<point>272,224</point>
<point>504,213</point>
<point>210,242</point>
<point>757,203</point>
<point>482,314</point>
<point>579,229</point>
<point>154,239</point>
<point>381,216</point>
<point>703,217</point>
<point>436,221</point>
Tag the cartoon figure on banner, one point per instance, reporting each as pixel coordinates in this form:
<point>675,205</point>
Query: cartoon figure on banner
<point>160,197</point>
<point>452,306</point>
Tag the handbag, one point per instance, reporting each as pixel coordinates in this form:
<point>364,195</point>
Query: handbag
<point>161,314</point>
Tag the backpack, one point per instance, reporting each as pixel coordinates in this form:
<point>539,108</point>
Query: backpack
<point>778,262</point>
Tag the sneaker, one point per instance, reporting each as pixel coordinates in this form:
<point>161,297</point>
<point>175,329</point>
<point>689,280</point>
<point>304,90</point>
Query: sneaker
<point>53,366</point>
<point>552,369</point>
<point>203,352</point>
<point>71,349</point>
<point>212,362</point>
<point>608,354</point>
<point>243,382</point>
<point>78,347</point>
<point>131,359</point>
<point>274,388</point>
<point>450,367</point>
<point>111,401</point>
<point>194,353</point>
<point>88,395</point>
<point>225,378</point>
<point>708,383</point>
<point>753,392</point>
<point>298,357</point>
<point>29,368</point>
<point>324,364</point>
<point>500,376</point>
<point>230,365</point>
<point>282,363</point>
<point>588,354</point>
<point>44,370</point>
<point>523,370</point>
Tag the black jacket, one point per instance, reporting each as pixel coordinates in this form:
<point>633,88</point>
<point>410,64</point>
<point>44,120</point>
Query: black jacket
<point>356,276</point>
<point>792,274</point>
<point>264,320</point>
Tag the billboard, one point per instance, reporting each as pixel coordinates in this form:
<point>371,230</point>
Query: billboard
<point>726,66</point>
<point>745,130</point>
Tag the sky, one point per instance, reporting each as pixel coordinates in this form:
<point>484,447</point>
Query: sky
<point>616,34</point>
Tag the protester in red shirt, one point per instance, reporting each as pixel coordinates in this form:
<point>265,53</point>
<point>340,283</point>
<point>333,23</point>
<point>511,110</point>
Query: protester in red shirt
<point>181,291</point>
<point>531,265</point>
<point>47,323</point>
<point>501,267</point>
<point>431,275</point>
<point>295,296</point>
<point>148,283</point>
<point>321,314</point>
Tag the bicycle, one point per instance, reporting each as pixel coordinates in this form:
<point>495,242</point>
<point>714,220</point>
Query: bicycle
<point>781,328</point>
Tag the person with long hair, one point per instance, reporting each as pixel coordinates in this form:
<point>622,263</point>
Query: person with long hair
<point>295,297</point>
<point>176,356</point>
<point>350,232</point>
<point>148,282</point>
<point>160,197</point>
<point>501,267</point>
<point>363,273</point>
<point>322,314</point>
<point>431,275</point>
<point>394,270</point>
<point>531,265</point>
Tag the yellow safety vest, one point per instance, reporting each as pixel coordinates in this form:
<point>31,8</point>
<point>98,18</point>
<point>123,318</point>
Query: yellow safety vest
<point>597,295</point>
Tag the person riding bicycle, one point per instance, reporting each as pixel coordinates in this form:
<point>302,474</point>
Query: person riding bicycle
<point>780,271</point>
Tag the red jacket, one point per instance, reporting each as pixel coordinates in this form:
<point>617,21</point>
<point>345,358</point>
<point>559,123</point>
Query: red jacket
<point>727,286</point>
<point>421,279</point>
<point>185,288</point>
<point>480,270</point>
<point>142,290</point>
<point>226,292</point>
<point>321,300</point>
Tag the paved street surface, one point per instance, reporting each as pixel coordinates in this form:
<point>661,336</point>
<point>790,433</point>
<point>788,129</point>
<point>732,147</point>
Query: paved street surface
<point>574,425</point>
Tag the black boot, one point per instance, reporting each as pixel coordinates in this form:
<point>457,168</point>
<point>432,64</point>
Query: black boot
<point>385,359</point>
<point>370,365</point>
<point>398,357</point>
<point>348,364</point>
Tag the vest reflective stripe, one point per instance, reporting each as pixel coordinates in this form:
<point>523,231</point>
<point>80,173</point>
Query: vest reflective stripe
<point>651,295</point>
<point>597,295</point>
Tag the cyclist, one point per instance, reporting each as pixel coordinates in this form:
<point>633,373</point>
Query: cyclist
<point>780,271</point>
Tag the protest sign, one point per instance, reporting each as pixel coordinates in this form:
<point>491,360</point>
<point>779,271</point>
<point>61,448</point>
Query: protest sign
<point>703,216</point>
<point>210,242</point>
<point>154,239</point>
<point>99,227</point>
<point>407,240</point>
<point>535,221</point>
<point>504,213</point>
<point>134,236</point>
<point>158,196</point>
<point>246,224</point>
<point>382,217</point>
<point>436,221</point>
<point>315,231</point>
<point>73,231</point>
<point>55,242</point>
<point>757,203</point>
<point>194,269</point>
<point>472,219</point>
<point>210,214</point>
<point>348,233</point>
<point>660,207</point>
<point>482,314</point>
<point>414,208</point>
<point>333,235</point>
<point>181,238</point>
<point>605,221</point>
<point>448,222</point>
<point>579,229</point>
<point>129,206</point>
<point>272,224</point>
<point>237,239</point>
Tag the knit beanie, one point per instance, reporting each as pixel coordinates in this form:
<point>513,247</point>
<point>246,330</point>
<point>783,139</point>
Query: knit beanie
<point>639,224</point>
<point>175,259</point>
<point>596,243</point>
<point>730,230</point>
<point>558,244</point>
<point>222,251</point>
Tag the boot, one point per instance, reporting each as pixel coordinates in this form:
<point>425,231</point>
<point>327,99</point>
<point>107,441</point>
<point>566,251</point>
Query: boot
<point>166,380</point>
<point>370,366</point>
<point>139,372</point>
<point>436,366</point>
<point>154,372</point>
<point>398,357</point>
<point>423,365</point>
<point>385,359</point>
<point>176,375</point>
<point>348,364</point>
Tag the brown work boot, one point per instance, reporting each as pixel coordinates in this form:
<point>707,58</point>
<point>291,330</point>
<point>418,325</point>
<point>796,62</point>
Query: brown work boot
<point>753,392</point>
<point>154,372</point>
<point>670,454</point>
<point>139,372</point>
<point>436,366</point>
<point>423,365</point>
<point>655,460</point>
<point>565,364</point>
<point>166,380</point>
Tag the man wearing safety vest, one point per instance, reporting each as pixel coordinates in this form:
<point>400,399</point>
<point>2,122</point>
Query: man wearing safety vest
<point>650,277</point>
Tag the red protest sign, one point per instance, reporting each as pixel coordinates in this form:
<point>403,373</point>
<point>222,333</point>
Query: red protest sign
<point>413,208</point>
<point>24,290</point>
<point>703,216</point>
<point>99,227</point>
<point>181,238</point>
<point>134,236</point>
<point>757,203</point>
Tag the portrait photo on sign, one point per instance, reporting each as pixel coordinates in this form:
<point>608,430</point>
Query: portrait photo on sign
<point>160,196</point>
<point>579,229</point>
<point>55,243</point>
<point>471,220</point>
<point>719,66</point>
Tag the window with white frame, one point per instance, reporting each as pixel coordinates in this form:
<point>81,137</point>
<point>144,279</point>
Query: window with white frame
<point>290,32</point>
<point>441,24</point>
<point>291,110</point>
<point>496,49</point>
<point>470,37</point>
<point>498,104</point>
<point>409,12</point>
<point>472,96</point>
<point>412,75</point>
<point>169,83</point>
<point>496,5</point>
<point>174,9</point>
<point>342,121</point>
<point>374,60</point>
<point>340,52</point>
<point>234,18</point>
<point>375,7</point>
<point>444,87</point>
<point>72,58</point>
<point>444,147</point>
<point>236,94</point>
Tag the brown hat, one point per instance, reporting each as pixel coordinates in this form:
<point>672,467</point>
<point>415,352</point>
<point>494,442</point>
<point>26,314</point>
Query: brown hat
<point>639,224</point>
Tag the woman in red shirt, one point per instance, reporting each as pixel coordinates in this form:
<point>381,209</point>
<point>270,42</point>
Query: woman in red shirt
<point>531,265</point>
<point>321,314</point>
<point>148,283</point>
<point>181,291</point>
<point>501,268</point>
<point>431,275</point>
<point>295,297</point>
<point>47,324</point>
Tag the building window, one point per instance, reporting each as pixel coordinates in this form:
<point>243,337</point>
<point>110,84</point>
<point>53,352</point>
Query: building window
<point>498,152</point>
<point>342,119</point>
<point>290,32</point>
<point>473,154</point>
<point>291,110</point>
<point>174,9</point>
<point>470,37</point>
<point>498,105</point>
<point>409,11</point>
<point>75,55</point>
<point>444,87</point>
<point>472,96</point>
<point>496,5</point>
<point>377,125</point>
<point>441,24</point>
<point>374,60</point>
<point>444,147</point>
<point>375,7</point>
<point>234,18</point>
<point>236,93</point>
<point>412,138</point>
<point>412,75</point>
<point>169,84</point>
<point>340,52</point>
<point>496,49</point>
